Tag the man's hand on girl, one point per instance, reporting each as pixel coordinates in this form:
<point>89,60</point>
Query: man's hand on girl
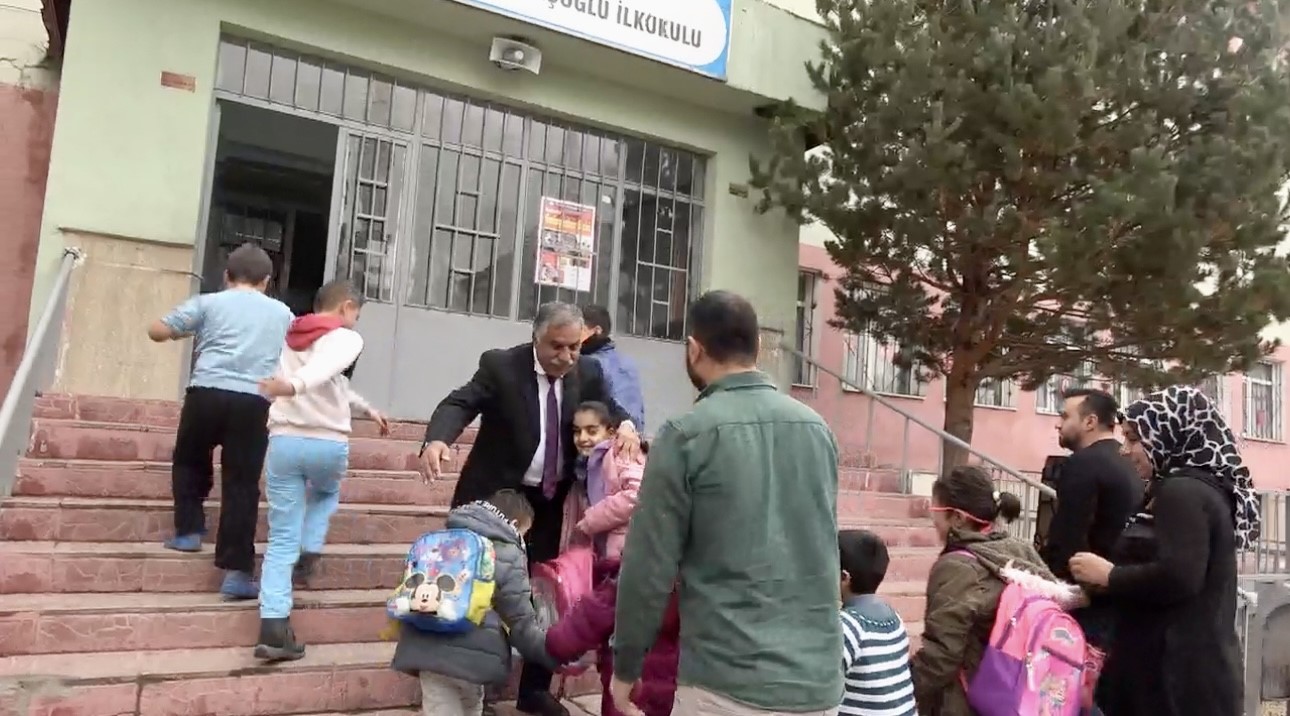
<point>627,441</point>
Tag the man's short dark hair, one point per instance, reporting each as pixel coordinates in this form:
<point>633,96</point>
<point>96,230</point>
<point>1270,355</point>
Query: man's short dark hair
<point>514,505</point>
<point>334,293</point>
<point>1096,402</point>
<point>597,316</point>
<point>864,558</point>
<point>248,264</point>
<point>725,324</point>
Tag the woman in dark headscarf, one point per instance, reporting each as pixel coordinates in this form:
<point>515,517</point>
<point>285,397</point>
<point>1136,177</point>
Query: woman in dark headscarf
<point>1173,581</point>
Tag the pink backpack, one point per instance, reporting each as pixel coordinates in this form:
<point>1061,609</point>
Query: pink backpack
<point>558,585</point>
<point>1035,661</point>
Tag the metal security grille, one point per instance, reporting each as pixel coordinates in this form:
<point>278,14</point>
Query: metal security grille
<point>480,173</point>
<point>374,170</point>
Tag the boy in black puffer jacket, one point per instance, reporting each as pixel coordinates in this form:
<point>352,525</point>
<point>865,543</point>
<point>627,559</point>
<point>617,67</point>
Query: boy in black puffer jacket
<point>454,668</point>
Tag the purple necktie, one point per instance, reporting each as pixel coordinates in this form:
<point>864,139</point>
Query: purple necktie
<point>550,471</point>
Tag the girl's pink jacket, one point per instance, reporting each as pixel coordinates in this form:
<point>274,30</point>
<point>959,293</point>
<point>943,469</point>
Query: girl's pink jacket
<point>622,481</point>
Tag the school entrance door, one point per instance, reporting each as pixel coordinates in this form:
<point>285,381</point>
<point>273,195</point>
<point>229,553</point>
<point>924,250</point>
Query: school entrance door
<point>456,219</point>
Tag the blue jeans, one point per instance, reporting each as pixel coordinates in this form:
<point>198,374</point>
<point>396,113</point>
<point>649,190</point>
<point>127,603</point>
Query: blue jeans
<point>302,481</point>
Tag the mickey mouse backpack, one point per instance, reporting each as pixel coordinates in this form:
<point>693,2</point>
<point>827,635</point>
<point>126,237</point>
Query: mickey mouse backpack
<point>448,583</point>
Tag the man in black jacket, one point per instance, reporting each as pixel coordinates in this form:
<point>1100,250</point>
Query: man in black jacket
<point>1097,493</point>
<point>512,393</point>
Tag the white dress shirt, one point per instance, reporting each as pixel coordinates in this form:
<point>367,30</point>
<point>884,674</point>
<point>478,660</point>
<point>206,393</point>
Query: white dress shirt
<point>533,475</point>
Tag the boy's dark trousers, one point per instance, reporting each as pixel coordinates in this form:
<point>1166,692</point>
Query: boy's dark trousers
<point>238,423</point>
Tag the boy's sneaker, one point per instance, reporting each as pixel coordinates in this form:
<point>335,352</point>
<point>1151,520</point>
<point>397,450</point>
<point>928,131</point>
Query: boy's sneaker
<point>239,585</point>
<point>185,543</point>
<point>305,567</point>
<point>278,641</point>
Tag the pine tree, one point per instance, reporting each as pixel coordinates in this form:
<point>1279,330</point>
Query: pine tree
<point>1021,187</point>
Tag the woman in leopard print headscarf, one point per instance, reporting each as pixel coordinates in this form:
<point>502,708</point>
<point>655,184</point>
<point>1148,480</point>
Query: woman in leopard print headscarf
<point>1172,577</point>
<point>1181,430</point>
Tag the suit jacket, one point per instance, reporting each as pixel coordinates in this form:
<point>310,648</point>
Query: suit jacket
<point>503,393</point>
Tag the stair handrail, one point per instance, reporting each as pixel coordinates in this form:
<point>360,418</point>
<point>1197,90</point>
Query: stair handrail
<point>1043,489</point>
<point>28,379</point>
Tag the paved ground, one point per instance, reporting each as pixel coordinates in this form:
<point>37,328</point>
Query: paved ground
<point>578,706</point>
<point>1274,708</point>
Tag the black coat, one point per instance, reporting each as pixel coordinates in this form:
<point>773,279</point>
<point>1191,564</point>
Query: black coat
<point>1175,650</point>
<point>503,395</point>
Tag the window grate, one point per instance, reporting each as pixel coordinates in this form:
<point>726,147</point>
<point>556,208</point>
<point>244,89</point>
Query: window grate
<point>804,373</point>
<point>1263,402</point>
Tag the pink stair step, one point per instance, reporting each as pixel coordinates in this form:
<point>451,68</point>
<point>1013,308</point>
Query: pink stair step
<point>911,564</point>
<point>883,505</point>
<point>202,682</point>
<point>110,519</point>
<point>74,439</point>
<point>80,567</point>
<point>151,480</point>
<point>165,413</point>
<point>895,533</point>
<point>908,598</point>
<point>869,479</point>
<point>68,623</point>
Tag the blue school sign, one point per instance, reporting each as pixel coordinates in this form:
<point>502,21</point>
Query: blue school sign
<point>691,34</point>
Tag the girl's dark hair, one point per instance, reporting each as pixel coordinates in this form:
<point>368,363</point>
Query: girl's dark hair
<point>970,490</point>
<point>599,409</point>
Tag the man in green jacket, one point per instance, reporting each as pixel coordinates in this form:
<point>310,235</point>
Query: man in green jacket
<point>739,501</point>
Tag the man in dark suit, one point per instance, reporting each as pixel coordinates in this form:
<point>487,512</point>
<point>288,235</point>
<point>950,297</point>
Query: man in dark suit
<point>513,393</point>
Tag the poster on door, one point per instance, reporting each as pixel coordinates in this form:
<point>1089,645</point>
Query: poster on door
<point>566,244</point>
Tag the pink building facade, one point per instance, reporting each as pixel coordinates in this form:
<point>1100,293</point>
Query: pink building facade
<point>1012,426</point>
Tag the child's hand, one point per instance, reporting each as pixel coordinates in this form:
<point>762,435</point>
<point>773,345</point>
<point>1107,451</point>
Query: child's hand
<point>382,423</point>
<point>276,387</point>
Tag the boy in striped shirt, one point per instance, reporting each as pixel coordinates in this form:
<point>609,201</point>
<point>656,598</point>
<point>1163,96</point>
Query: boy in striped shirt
<point>875,648</point>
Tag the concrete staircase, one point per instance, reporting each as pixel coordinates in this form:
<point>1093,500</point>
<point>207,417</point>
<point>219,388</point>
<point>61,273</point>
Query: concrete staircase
<point>97,619</point>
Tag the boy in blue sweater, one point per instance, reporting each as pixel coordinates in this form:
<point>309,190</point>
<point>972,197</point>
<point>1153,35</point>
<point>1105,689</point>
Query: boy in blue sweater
<point>875,647</point>
<point>238,334</point>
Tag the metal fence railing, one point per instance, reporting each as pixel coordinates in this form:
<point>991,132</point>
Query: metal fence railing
<point>1003,473</point>
<point>35,373</point>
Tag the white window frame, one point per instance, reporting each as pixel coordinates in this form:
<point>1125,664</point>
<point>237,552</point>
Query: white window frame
<point>808,301</point>
<point>866,357</point>
<point>1002,390</point>
<point>1274,432</point>
<point>1219,396</point>
<point>1048,398</point>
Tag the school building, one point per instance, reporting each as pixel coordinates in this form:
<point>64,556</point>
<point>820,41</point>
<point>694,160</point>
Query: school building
<point>463,161</point>
<point>1015,427</point>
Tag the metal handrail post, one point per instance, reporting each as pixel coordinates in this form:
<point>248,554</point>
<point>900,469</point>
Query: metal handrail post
<point>15,412</point>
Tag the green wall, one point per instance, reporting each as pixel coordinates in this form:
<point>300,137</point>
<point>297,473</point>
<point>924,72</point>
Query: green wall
<point>129,155</point>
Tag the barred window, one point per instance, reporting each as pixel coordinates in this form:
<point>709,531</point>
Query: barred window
<point>1048,399</point>
<point>1263,404</point>
<point>804,339</point>
<point>871,364</point>
<point>995,393</point>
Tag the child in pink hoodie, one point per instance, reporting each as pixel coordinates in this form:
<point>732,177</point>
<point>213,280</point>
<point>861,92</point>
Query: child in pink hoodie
<point>612,480</point>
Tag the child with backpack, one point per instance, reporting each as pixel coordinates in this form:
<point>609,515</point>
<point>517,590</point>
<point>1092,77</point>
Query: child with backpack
<point>587,620</point>
<point>464,601</point>
<point>612,480</point>
<point>590,625</point>
<point>996,637</point>
<point>875,646</point>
